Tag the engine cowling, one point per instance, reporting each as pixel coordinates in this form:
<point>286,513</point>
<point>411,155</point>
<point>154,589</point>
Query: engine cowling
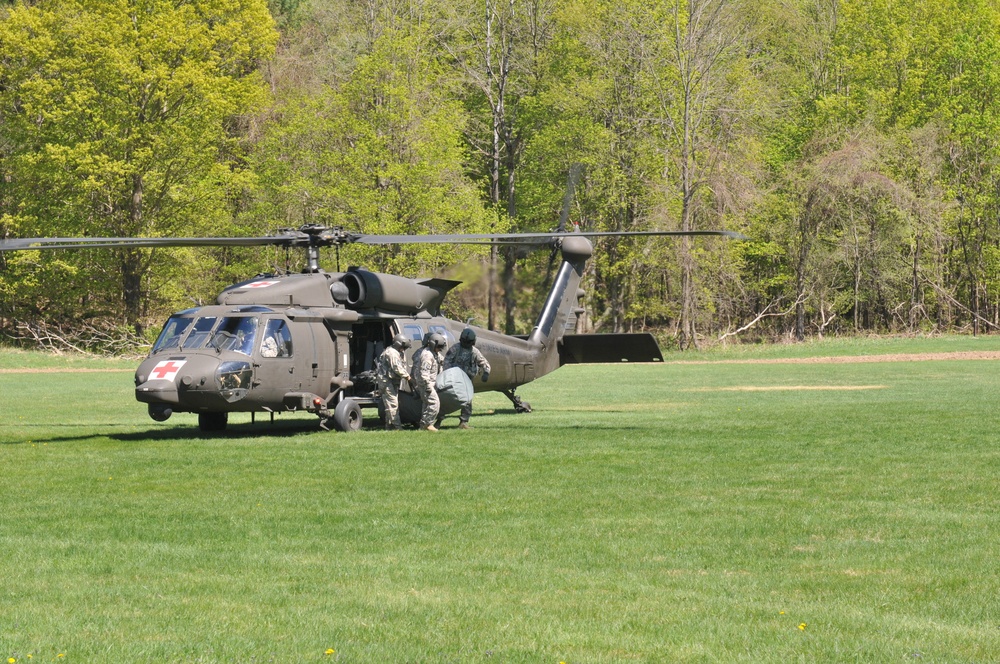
<point>360,289</point>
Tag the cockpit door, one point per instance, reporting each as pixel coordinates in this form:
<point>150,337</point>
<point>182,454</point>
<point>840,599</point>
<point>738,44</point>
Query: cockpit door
<point>274,357</point>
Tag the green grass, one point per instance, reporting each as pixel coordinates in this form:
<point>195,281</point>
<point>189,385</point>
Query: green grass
<point>651,513</point>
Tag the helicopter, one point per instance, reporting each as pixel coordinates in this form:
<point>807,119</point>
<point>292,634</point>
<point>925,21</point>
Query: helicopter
<point>308,340</point>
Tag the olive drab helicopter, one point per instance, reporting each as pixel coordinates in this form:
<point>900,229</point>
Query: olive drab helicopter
<point>308,341</point>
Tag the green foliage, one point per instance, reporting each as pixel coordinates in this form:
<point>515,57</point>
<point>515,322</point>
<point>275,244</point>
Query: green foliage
<point>380,154</point>
<point>854,142</point>
<point>886,54</point>
<point>119,120</point>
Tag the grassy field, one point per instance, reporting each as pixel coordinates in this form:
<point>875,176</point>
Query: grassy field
<point>715,512</point>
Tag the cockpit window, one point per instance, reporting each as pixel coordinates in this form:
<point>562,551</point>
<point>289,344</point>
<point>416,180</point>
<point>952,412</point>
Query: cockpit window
<point>444,332</point>
<point>235,333</point>
<point>173,331</point>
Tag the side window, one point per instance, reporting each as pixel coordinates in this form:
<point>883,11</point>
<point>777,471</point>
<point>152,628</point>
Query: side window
<point>277,339</point>
<point>415,334</point>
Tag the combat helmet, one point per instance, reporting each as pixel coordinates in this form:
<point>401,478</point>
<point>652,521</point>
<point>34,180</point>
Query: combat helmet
<point>468,337</point>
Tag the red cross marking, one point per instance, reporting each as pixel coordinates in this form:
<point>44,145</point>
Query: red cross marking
<point>166,370</point>
<point>261,284</point>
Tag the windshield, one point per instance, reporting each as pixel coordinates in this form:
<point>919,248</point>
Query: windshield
<point>235,333</point>
<point>172,332</point>
<point>200,334</point>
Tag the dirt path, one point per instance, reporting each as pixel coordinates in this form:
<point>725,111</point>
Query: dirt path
<point>857,359</point>
<point>62,370</point>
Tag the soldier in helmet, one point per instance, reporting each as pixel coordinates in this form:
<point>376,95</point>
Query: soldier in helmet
<point>390,372</point>
<point>428,362</point>
<point>467,357</point>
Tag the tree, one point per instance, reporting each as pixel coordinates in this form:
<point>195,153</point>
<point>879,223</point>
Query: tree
<point>498,46</point>
<point>381,152</point>
<point>702,78</point>
<point>122,118</point>
<point>971,112</point>
<point>671,88</point>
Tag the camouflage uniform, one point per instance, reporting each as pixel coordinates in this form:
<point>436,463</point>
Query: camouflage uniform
<point>390,371</point>
<point>427,364</point>
<point>471,361</point>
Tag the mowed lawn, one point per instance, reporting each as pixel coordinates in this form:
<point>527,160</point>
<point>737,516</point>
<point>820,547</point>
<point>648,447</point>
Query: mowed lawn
<point>708,512</point>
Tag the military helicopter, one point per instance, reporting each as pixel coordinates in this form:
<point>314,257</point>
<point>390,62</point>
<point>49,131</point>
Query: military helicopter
<point>308,341</point>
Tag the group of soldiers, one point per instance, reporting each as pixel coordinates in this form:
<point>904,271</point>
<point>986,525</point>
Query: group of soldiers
<point>428,362</point>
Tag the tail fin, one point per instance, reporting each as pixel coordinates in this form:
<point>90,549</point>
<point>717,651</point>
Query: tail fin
<point>560,306</point>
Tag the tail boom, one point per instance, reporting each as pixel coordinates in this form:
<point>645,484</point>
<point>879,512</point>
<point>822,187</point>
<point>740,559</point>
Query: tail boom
<point>560,304</point>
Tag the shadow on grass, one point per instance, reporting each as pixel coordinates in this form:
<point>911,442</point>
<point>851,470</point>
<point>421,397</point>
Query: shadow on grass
<point>288,428</point>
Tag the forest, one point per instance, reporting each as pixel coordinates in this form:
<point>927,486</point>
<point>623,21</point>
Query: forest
<point>854,143</point>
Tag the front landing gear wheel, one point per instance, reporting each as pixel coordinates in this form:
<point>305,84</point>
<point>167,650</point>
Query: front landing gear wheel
<point>210,422</point>
<point>347,415</point>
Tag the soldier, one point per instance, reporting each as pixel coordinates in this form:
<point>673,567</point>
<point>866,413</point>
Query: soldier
<point>427,364</point>
<point>390,372</point>
<point>467,357</point>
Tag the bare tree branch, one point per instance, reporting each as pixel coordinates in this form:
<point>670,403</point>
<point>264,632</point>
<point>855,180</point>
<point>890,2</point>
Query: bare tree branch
<point>762,315</point>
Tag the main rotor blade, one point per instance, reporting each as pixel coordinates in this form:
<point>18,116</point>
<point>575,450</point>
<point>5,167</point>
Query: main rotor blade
<point>522,238</point>
<point>327,237</point>
<point>119,242</point>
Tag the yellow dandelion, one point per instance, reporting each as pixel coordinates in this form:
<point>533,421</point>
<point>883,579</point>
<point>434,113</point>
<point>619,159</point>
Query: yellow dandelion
<point>11,660</point>
<point>781,613</point>
<point>802,626</point>
<point>329,651</point>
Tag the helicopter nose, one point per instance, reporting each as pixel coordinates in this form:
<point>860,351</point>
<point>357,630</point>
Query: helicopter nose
<point>157,380</point>
<point>193,382</point>
<point>157,391</point>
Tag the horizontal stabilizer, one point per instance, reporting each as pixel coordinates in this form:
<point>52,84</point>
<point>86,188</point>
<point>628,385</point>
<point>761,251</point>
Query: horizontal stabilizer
<point>608,348</point>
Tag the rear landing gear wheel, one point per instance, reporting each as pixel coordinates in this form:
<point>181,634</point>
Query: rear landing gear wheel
<point>520,405</point>
<point>347,415</point>
<point>213,421</point>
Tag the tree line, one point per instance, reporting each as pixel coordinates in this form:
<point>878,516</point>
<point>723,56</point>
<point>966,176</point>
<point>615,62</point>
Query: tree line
<point>853,141</point>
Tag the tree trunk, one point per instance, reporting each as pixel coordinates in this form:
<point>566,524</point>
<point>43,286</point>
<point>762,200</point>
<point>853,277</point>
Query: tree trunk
<point>131,262</point>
